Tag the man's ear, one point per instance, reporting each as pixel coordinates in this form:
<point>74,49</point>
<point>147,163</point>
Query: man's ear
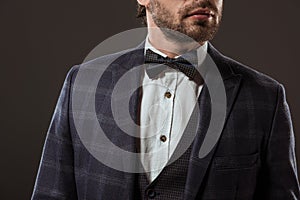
<point>143,2</point>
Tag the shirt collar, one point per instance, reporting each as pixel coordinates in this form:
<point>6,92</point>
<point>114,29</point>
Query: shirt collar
<point>148,45</point>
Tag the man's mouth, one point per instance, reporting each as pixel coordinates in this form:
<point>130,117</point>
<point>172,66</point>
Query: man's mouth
<point>200,14</point>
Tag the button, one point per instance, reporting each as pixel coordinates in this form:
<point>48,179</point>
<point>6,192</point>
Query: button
<point>150,193</point>
<point>163,138</point>
<point>168,95</point>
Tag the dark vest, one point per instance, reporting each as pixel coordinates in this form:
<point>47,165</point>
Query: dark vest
<point>170,183</point>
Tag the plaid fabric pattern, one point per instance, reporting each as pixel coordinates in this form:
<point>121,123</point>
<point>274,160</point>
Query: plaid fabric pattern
<point>253,159</point>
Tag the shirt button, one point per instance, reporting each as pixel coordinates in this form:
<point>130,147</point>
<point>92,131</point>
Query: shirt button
<point>163,138</point>
<point>168,95</point>
<point>151,193</point>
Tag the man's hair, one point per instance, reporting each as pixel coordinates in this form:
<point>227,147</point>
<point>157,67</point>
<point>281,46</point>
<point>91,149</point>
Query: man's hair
<point>141,13</point>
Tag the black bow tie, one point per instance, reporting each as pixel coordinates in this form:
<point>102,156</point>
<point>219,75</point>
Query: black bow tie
<point>161,63</point>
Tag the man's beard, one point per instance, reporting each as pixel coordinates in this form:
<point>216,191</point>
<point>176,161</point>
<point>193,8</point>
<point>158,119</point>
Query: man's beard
<point>198,31</point>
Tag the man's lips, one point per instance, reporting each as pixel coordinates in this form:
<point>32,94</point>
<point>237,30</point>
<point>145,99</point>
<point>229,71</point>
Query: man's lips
<point>201,14</point>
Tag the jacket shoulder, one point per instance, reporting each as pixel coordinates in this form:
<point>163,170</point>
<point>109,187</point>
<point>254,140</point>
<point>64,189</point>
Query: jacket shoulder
<point>251,76</point>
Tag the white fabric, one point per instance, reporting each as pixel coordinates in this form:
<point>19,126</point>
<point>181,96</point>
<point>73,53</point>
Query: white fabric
<point>164,116</point>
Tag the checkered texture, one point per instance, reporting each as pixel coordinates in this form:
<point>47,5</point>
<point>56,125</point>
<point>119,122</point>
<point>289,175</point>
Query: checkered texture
<point>254,158</point>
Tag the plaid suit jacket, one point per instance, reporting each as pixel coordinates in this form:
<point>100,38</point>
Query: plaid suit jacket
<point>253,159</point>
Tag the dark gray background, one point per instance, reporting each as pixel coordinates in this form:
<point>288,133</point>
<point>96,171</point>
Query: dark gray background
<point>41,40</point>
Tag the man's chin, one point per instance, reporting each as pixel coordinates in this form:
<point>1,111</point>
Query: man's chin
<point>202,33</point>
<point>197,35</point>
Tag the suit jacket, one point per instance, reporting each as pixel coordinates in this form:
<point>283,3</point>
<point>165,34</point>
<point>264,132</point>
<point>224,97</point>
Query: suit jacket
<point>254,157</point>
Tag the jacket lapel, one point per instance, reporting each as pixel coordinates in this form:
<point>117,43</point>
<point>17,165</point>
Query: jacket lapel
<point>198,166</point>
<point>127,63</point>
<point>127,66</point>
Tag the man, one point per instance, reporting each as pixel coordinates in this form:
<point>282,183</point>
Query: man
<point>253,158</point>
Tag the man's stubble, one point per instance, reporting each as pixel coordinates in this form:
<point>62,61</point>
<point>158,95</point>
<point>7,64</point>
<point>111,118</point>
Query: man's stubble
<point>200,31</point>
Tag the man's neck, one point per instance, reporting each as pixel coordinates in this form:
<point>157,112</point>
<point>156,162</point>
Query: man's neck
<point>170,47</point>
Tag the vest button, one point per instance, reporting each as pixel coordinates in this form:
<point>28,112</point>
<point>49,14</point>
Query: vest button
<point>150,193</point>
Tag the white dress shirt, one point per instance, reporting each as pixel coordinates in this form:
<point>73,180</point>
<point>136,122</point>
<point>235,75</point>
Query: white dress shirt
<point>166,106</point>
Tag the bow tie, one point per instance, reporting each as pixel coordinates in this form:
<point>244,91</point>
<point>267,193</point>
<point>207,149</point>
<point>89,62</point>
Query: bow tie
<point>163,63</point>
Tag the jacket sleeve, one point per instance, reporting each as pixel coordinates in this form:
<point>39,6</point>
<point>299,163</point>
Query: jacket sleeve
<point>55,178</point>
<point>279,174</point>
